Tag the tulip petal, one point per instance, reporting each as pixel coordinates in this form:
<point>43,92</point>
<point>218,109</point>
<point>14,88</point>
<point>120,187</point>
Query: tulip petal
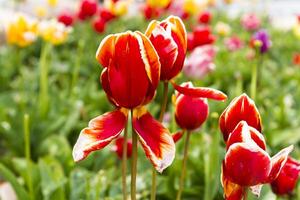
<point>177,136</point>
<point>278,161</point>
<point>100,132</point>
<point>203,92</point>
<point>106,50</point>
<point>156,140</point>
<point>247,164</point>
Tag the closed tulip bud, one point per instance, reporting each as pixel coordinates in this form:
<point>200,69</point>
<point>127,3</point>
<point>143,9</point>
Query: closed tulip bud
<point>66,18</point>
<point>241,108</point>
<point>205,17</point>
<point>169,38</point>
<point>99,25</point>
<point>287,179</point>
<point>87,8</point>
<point>203,35</point>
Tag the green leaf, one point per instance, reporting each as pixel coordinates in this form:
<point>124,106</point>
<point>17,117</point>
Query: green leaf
<point>10,177</point>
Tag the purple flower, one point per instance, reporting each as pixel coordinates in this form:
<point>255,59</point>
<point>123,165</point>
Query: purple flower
<point>263,37</point>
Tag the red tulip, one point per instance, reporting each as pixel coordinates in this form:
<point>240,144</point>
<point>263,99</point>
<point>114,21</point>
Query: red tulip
<point>66,18</point>
<point>151,12</point>
<point>296,59</point>
<point>247,164</point>
<point>99,25</point>
<point>286,182</point>
<point>241,108</point>
<point>191,112</point>
<point>190,41</point>
<point>118,147</point>
<point>129,78</point>
<point>106,14</point>
<point>202,36</point>
<point>87,8</point>
<point>170,41</point>
<point>204,18</point>
<point>177,136</point>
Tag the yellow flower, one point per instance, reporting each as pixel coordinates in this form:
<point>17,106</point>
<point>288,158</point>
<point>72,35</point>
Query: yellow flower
<point>228,1</point>
<point>21,31</point>
<point>158,3</point>
<point>297,30</point>
<point>193,7</point>
<point>222,29</point>
<point>54,32</point>
<point>52,3</point>
<point>118,8</point>
<point>40,11</point>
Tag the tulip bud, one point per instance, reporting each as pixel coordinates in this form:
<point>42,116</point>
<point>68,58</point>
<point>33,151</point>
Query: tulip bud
<point>190,112</point>
<point>203,35</point>
<point>99,25</point>
<point>66,18</point>
<point>287,179</point>
<point>241,108</point>
<point>205,17</point>
<point>88,8</point>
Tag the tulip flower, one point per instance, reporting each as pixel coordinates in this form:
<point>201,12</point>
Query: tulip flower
<point>52,3</point>
<point>233,43</point>
<point>203,36</point>
<point>158,3</point>
<point>130,77</point>
<point>170,41</point>
<point>117,8</point>
<point>247,164</point>
<point>21,31</point>
<point>106,14</point>
<point>200,62</point>
<point>262,41</point>
<point>296,59</point>
<point>53,31</point>
<point>66,18</point>
<point>205,17</point>
<point>250,22</point>
<point>190,113</point>
<point>287,179</point>
<point>241,108</point>
<point>87,9</point>
<point>296,30</point>
<point>99,25</point>
<point>222,29</point>
<point>119,145</point>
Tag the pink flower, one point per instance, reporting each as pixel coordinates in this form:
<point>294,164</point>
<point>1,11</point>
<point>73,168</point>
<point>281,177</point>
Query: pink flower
<point>233,43</point>
<point>200,62</point>
<point>250,22</point>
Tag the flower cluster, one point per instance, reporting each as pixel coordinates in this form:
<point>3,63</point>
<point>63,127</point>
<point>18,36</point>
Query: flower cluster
<point>247,163</point>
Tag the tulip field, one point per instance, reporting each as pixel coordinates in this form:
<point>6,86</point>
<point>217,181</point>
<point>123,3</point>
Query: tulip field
<point>155,99</point>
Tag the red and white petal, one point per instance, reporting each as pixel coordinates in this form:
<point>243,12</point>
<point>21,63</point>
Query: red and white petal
<point>100,132</point>
<point>156,140</point>
<point>179,29</point>
<point>241,108</point>
<point>256,190</point>
<point>177,136</point>
<point>106,50</point>
<point>278,161</point>
<point>203,92</point>
<point>247,164</point>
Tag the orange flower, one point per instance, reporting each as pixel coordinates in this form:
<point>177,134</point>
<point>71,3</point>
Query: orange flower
<point>129,78</point>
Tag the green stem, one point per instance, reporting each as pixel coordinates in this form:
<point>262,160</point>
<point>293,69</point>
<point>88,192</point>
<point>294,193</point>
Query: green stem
<point>76,67</point>
<point>245,196</point>
<point>124,163</point>
<point>43,95</point>
<point>27,154</point>
<point>184,161</point>
<point>160,119</point>
<point>133,162</point>
<point>253,82</point>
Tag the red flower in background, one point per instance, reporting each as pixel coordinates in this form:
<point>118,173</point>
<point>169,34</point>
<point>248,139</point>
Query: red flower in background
<point>247,164</point>
<point>241,108</point>
<point>99,25</point>
<point>87,9</point>
<point>151,12</point>
<point>118,147</point>
<point>286,182</point>
<point>106,15</point>
<point>66,18</point>
<point>202,35</point>
<point>296,59</point>
<point>205,17</point>
<point>191,112</point>
<point>129,78</point>
<point>170,41</point>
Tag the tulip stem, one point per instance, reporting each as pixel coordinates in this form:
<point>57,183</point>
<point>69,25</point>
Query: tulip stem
<point>124,163</point>
<point>43,95</point>
<point>27,154</point>
<point>254,82</point>
<point>133,162</point>
<point>184,161</point>
<point>160,119</point>
<point>76,67</point>
<point>245,195</point>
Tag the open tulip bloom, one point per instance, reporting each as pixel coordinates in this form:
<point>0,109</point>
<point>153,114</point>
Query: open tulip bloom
<point>246,164</point>
<point>129,78</point>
